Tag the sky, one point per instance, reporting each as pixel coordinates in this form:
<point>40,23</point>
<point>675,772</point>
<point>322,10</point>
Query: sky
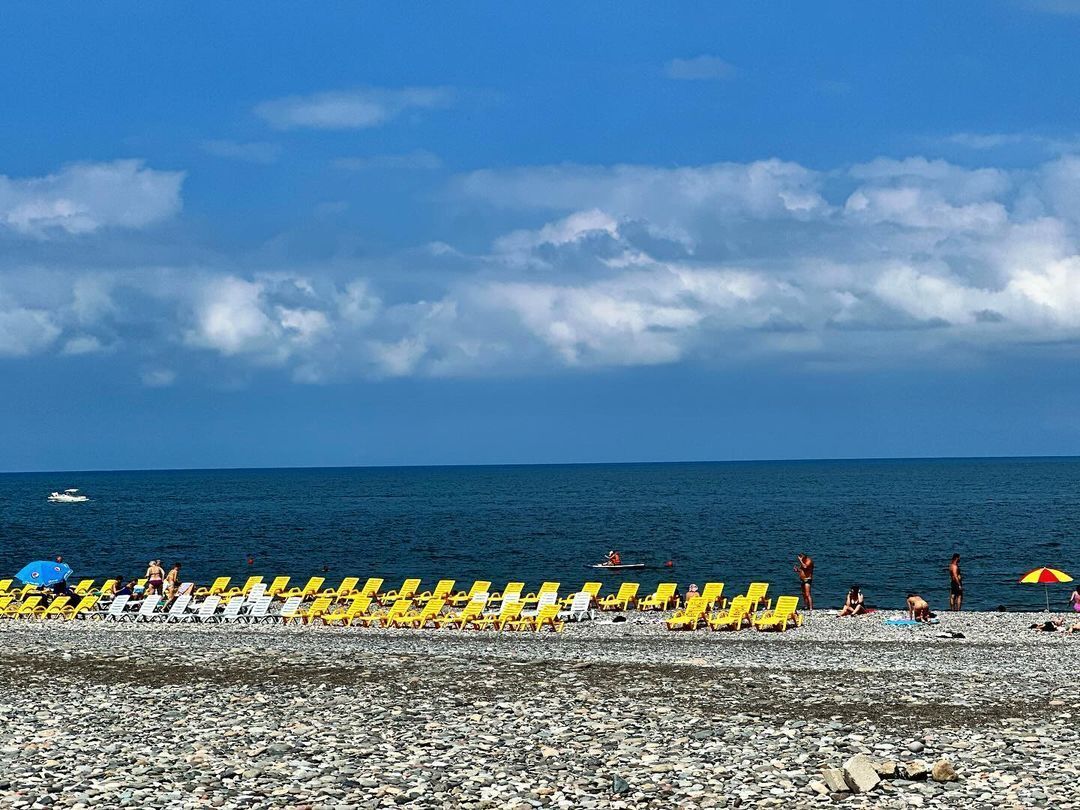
<point>265,234</point>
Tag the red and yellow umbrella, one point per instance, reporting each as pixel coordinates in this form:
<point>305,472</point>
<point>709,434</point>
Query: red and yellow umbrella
<point>1045,577</point>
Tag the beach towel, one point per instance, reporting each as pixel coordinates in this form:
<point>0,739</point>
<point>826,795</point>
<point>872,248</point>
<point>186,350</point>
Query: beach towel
<point>901,622</point>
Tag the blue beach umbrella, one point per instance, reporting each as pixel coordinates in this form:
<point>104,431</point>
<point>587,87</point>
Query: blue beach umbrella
<point>44,573</point>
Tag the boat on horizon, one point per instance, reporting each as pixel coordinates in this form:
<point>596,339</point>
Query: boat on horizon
<point>67,496</point>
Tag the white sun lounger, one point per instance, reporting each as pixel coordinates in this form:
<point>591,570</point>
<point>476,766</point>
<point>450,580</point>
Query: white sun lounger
<point>231,612</point>
<point>258,610</point>
<point>547,598</point>
<point>206,610</point>
<point>178,608</point>
<point>117,607</point>
<point>146,609</point>
<point>290,609</point>
<point>580,608</point>
<point>256,592</point>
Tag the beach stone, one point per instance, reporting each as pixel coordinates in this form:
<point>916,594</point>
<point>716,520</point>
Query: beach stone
<point>860,774</point>
<point>916,747</point>
<point>916,770</point>
<point>943,771</point>
<point>619,786</point>
<point>834,780</point>
<point>818,787</point>
<point>886,769</point>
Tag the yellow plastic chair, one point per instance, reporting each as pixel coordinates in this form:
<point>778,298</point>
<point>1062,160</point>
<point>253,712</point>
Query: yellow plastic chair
<point>85,605</point>
<point>5,585</point>
<point>738,613</point>
<point>623,600</point>
<point>547,616</point>
<point>28,607</point>
<point>471,613</point>
<point>478,587</point>
<point>217,587</point>
<point>245,589</point>
<point>316,611</point>
<point>786,612</point>
<point>690,617</point>
<point>398,610</point>
<point>345,589</point>
<point>591,588</point>
<point>311,589</point>
<point>509,612</point>
<point>757,594</point>
<point>443,589</point>
<point>55,608</point>
<point>429,615</point>
<point>106,587</point>
<point>713,594</point>
<point>371,588</point>
<point>83,588</point>
<point>408,590</point>
<point>662,599</point>
<point>278,586</point>
<point>547,587</point>
<point>356,606</point>
<point>5,604</point>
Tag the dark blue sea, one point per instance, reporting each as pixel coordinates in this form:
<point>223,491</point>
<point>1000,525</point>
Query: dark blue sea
<point>888,525</point>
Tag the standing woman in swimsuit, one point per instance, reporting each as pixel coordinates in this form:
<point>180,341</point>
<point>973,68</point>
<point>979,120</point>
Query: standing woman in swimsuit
<point>155,577</point>
<point>1074,599</point>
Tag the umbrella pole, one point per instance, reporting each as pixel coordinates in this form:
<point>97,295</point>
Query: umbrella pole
<point>1046,590</point>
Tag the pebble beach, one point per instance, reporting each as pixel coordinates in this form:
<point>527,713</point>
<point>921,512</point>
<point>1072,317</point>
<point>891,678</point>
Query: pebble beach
<point>604,715</point>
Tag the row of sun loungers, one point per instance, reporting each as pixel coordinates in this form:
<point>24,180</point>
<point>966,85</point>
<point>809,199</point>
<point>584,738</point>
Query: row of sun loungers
<point>665,597</point>
<point>741,612</point>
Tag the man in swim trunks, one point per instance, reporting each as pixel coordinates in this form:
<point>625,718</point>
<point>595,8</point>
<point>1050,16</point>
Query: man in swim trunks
<point>804,567</point>
<point>918,609</point>
<point>956,584</point>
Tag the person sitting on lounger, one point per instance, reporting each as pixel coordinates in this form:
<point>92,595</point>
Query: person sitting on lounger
<point>918,608</point>
<point>853,603</point>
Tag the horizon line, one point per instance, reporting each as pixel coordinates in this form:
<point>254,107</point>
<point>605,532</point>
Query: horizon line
<point>453,465</point>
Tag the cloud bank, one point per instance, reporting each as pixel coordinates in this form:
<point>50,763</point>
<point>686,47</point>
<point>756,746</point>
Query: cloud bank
<point>888,262</point>
<point>362,108</point>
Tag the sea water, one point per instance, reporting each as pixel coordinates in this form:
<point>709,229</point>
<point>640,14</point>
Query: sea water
<point>890,526</point>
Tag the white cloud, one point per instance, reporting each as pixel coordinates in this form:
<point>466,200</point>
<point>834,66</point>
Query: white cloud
<point>82,344</point>
<point>350,109</point>
<point>700,68</point>
<point>85,197</point>
<point>26,331</point>
<point>418,160</point>
<point>158,378</point>
<point>249,152</point>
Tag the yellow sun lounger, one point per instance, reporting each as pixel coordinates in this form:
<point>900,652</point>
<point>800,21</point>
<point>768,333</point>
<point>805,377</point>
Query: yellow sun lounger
<point>346,588</point>
<point>311,589</point>
<point>217,587</point>
<point>315,612</point>
<point>472,612</point>
<point>407,590</point>
<point>28,607</point>
<point>5,585</point>
<point>429,615</point>
<point>545,617</point>
<point>245,589</point>
<point>738,614</point>
<point>623,600</point>
<point>662,599</point>
<point>83,588</point>
<point>547,587</point>
<point>356,606</point>
<point>278,586</point>
<point>5,604</point>
<point>510,612</point>
<point>785,612</point>
<point>713,594</point>
<point>54,609</point>
<point>478,587</point>
<point>591,588</point>
<point>756,594</point>
<point>690,617</point>
<point>86,605</point>
<point>398,610</point>
<point>443,589</point>
<point>371,588</point>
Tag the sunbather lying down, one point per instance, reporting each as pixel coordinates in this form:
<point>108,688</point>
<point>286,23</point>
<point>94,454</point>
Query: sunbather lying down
<point>1053,625</point>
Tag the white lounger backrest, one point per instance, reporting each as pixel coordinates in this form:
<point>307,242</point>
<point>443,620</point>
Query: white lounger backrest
<point>291,607</point>
<point>257,592</point>
<point>186,589</point>
<point>259,608</point>
<point>179,606</point>
<point>546,599</point>
<point>208,606</point>
<point>147,608</point>
<point>580,604</point>
<point>232,610</point>
<point>116,609</point>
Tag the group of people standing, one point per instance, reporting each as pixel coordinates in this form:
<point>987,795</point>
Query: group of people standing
<point>855,603</point>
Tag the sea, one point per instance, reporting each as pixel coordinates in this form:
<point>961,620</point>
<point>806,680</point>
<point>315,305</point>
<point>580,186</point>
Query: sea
<point>887,525</point>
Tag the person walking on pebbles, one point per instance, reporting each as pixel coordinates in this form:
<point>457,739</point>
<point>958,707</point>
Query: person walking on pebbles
<point>956,584</point>
<point>804,567</point>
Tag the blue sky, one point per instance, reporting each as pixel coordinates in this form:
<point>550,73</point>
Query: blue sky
<point>257,234</point>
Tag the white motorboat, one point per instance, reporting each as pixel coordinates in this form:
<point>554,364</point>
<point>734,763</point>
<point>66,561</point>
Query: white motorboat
<point>67,496</point>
